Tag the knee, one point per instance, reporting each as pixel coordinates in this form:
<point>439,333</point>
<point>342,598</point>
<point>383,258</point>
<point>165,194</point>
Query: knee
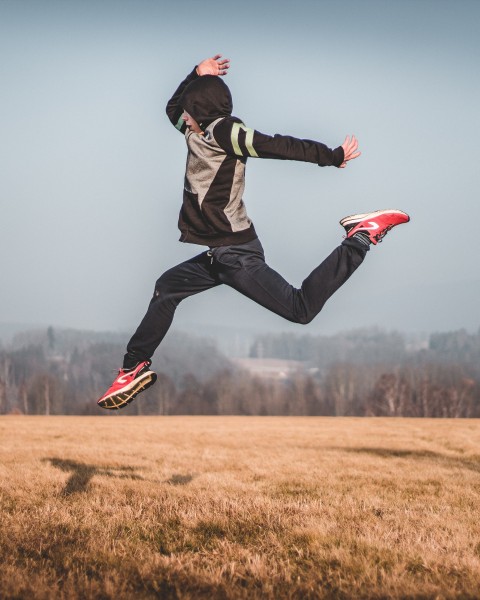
<point>158,294</point>
<point>301,316</point>
<point>304,319</point>
<point>163,291</point>
<point>162,280</point>
<point>167,282</point>
<point>302,313</point>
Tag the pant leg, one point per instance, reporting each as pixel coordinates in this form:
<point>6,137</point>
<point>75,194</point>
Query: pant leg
<point>244,269</point>
<point>188,278</point>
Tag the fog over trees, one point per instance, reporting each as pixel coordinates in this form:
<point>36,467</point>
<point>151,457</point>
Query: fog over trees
<point>358,373</point>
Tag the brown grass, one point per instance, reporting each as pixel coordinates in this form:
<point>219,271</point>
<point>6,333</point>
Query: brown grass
<point>239,507</point>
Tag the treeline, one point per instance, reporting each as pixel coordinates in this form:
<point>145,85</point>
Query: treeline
<point>377,373</point>
<point>361,373</point>
<point>66,371</point>
<point>372,346</point>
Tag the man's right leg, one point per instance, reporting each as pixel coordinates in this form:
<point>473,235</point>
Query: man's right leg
<point>244,269</point>
<point>188,278</point>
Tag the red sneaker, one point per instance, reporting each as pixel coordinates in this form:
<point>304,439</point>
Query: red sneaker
<point>127,385</point>
<point>375,224</point>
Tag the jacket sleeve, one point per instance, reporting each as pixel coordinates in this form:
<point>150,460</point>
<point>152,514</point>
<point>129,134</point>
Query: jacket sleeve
<point>238,140</point>
<point>174,110</point>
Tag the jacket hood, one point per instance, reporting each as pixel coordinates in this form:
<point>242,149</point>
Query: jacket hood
<point>206,99</point>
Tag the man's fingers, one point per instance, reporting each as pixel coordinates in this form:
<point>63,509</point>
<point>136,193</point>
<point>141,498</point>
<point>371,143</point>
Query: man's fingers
<point>349,157</point>
<point>351,151</point>
<point>349,143</point>
<point>350,146</point>
<point>224,61</point>
<point>214,66</point>
<point>352,143</point>
<point>217,66</point>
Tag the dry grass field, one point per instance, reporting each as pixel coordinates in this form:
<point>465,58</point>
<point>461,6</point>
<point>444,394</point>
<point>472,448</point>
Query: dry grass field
<point>239,507</point>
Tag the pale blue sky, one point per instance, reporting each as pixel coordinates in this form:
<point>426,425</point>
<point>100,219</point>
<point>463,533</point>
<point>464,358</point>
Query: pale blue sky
<point>92,171</point>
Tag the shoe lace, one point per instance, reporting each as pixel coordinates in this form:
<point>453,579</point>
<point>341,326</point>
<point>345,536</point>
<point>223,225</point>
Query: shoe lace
<point>379,237</point>
<point>119,372</point>
<point>123,370</point>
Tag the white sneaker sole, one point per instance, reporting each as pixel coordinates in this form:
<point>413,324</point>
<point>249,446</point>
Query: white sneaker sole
<point>120,399</point>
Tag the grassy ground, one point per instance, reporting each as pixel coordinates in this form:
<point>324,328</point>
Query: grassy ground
<point>239,507</point>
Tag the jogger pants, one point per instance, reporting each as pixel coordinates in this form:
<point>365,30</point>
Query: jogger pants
<point>243,268</point>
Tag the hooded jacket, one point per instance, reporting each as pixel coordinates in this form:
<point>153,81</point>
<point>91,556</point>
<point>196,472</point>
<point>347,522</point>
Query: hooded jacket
<point>213,212</point>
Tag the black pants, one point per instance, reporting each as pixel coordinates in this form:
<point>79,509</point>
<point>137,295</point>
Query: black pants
<point>243,268</point>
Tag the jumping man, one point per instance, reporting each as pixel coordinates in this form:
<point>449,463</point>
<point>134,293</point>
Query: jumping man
<point>213,215</point>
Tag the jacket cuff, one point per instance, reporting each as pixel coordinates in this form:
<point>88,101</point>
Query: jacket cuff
<point>338,156</point>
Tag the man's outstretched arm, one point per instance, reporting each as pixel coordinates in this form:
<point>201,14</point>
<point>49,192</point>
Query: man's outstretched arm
<point>243,142</point>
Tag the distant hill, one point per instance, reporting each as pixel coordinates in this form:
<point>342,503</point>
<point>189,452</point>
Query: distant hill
<point>422,309</point>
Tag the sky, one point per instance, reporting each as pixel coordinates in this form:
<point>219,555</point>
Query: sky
<point>92,171</point>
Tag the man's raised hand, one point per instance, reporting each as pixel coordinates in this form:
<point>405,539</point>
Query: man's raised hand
<point>350,150</point>
<point>214,66</point>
